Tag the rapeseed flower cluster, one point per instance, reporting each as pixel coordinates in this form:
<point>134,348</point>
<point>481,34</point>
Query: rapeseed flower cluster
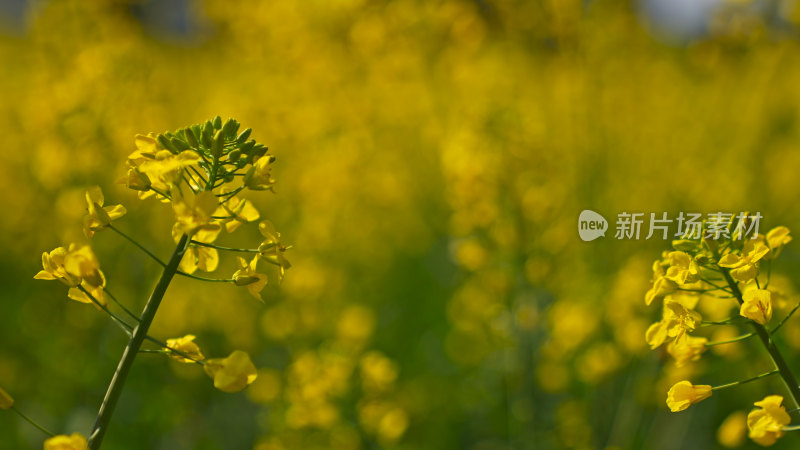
<point>722,270</point>
<point>202,171</point>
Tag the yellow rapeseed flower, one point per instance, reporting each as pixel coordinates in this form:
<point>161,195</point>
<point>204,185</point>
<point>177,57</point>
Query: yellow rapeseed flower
<point>160,168</point>
<point>53,268</point>
<point>776,239</point>
<point>82,262</point>
<point>684,394</point>
<point>271,250</point>
<point>77,267</point>
<point>231,374</point>
<point>687,349</point>
<point>194,212</point>
<point>661,286</point>
<point>766,424</point>
<point>240,211</point>
<point>187,346</point>
<point>247,276</point>
<point>757,306</point>
<point>744,267</point>
<point>198,256</point>
<point>63,442</point>
<point>258,178</point>
<point>135,180</point>
<point>99,216</point>
<point>676,321</point>
<point>682,268</point>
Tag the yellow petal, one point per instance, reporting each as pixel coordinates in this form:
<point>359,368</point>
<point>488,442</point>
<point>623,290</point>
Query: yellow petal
<point>208,259</point>
<point>115,212</point>
<point>730,261</point>
<point>62,442</point>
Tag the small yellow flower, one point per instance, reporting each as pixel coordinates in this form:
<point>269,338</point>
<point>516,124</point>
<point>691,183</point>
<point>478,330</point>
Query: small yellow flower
<point>687,349</point>
<point>247,276</point>
<point>82,262</point>
<point>97,292</point>
<point>187,346</point>
<point>240,210</point>
<point>684,394</point>
<point>135,180</point>
<point>682,268</point>
<point>271,249</point>
<point>744,267</point>
<point>757,306</point>
<point>53,268</point>
<point>6,401</point>
<point>99,217</point>
<point>777,238</point>
<point>161,168</point>
<point>766,424</point>
<point>194,212</point>
<point>661,286</point>
<point>231,374</point>
<point>258,177</point>
<point>76,267</point>
<point>676,321</point>
<point>198,256</point>
<point>63,442</point>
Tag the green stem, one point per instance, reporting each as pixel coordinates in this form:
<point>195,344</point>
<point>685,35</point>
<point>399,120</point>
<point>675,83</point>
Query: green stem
<point>126,327</point>
<point>728,321</point>
<point>784,370</point>
<point>783,321</point>
<point>127,311</point>
<point>229,249</point>
<point>730,341</point>
<point>736,383</point>
<point>160,193</point>
<point>134,344</point>
<point>32,422</point>
<point>214,280</point>
<point>140,246</point>
<point>199,175</point>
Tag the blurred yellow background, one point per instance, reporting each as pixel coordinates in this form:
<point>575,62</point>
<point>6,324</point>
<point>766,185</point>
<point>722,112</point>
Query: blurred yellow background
<point>432,159</point>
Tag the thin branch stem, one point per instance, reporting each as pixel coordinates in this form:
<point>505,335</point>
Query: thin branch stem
<point>783,321</point>
<point>199,175</point>
<point>125,326</point>
<point>213,280</point>
<point>127,311</point>
<point>138,245</point>
<point>160,193</point>
<point>228,249</point>
<point>730,341</point>
<point>736,383</point>
<point>32,422</point>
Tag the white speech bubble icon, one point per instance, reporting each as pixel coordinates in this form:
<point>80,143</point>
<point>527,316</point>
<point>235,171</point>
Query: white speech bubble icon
<point>591,225</point>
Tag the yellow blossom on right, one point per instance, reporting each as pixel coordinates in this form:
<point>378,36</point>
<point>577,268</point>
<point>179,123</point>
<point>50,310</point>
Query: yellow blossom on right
<point>766,424</point>
<point>231,374</point>
<point>757,306</point>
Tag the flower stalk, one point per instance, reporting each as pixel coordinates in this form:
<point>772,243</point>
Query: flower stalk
<point>134,345</point>
<point>764,335</point>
